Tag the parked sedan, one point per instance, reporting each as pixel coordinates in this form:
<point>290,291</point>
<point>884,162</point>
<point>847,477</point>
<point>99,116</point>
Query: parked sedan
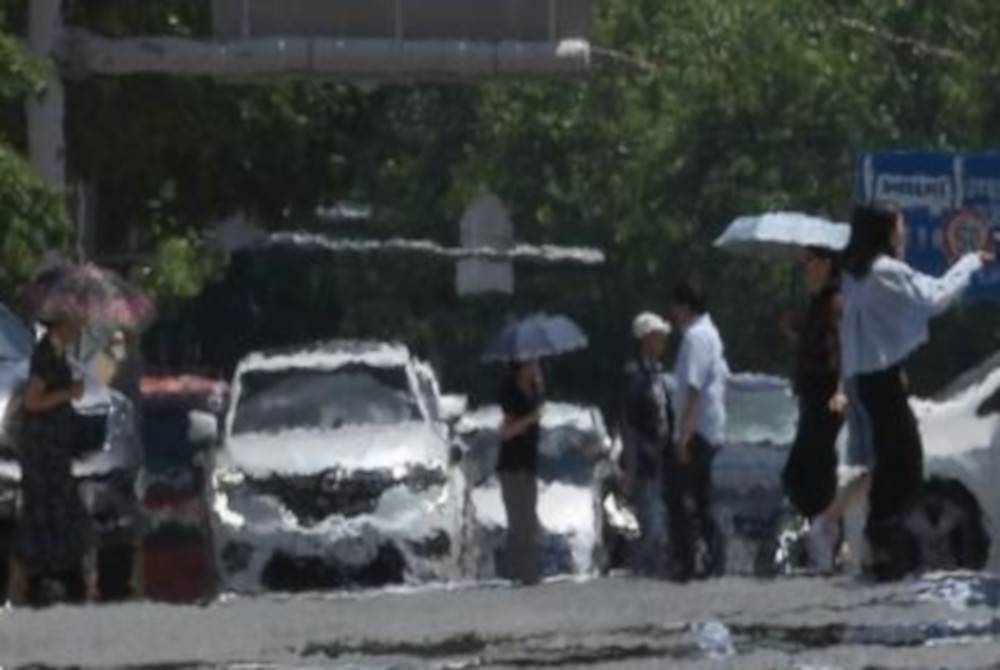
<point>338,469</point>
<point>180,428</point>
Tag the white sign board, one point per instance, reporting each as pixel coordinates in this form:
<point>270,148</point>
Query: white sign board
<point>485,224</point>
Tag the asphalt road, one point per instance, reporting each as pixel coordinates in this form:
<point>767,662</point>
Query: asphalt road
<point>941,621</point>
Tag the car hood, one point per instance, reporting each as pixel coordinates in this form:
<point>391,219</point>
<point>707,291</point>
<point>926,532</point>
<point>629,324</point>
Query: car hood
<point>953,426</point>
<point>96,397</point>
<point>304,452</point>
<point>121,450</point>
<point>556,415</point>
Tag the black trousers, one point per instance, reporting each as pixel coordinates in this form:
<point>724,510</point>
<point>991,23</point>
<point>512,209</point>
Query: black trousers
<point>898,474</point>
<point>810,474</point>
<point>689,500</point>
<point>71,581</point>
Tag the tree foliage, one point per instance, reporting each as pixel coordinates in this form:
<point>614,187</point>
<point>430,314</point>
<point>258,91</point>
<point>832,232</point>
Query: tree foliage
<point>32,217</point>
<point>696,111</point>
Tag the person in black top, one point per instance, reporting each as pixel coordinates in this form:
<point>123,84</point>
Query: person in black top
<point>521,400</point>
<point>647,429</point>
<point>54,537</point>
<point>810,474</point>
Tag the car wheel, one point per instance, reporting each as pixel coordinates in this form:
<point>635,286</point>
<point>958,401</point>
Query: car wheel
<point>947,524</point>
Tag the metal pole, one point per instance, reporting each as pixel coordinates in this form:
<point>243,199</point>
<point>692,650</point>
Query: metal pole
<point>245,28</point>
<point>399,20</point>
<point>46,141</point>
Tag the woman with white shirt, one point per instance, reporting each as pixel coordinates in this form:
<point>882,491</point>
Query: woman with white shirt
<point>887,306</point>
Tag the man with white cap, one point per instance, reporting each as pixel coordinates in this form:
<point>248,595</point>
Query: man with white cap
<point>648,420</point>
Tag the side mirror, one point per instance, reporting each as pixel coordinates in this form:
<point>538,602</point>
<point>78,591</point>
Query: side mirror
<point>203,428</point>
<point>452,407</point>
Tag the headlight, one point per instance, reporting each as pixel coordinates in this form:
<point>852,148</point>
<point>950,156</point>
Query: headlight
<point>224,479</point>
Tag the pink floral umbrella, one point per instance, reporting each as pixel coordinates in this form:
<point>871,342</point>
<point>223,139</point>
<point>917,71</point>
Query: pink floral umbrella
<point>89,294</point>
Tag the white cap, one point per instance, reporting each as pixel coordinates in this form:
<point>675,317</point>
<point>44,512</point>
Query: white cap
<point>648,323</point>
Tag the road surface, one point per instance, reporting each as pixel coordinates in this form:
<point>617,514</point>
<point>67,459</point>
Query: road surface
<point>939,621</point>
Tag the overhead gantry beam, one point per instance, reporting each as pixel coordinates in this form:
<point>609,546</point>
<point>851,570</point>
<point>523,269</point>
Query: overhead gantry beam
<point>83,53</point>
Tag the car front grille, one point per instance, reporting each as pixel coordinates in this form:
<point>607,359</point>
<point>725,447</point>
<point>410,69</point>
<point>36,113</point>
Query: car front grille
<point>313,498</point>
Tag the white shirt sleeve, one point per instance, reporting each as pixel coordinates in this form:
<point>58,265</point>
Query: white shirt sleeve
<point>932,294</point>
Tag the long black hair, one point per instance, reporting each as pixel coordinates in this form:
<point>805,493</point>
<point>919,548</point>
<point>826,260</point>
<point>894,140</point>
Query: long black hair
<point>872,227</point>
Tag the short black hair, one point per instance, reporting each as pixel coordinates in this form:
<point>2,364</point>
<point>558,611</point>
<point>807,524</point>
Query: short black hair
<point>690,293</point>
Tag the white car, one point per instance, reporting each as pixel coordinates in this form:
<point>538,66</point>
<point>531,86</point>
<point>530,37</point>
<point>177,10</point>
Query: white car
<point>576,463</point>
<point>338,469</point>
<point>952,525</point>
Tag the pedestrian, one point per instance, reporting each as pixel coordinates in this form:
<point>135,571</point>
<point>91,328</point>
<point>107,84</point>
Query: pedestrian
<point>53,539</point>
<point>887,306</point>
<point>810,473</point>
<point>700,378</point>
<point>521,399</point>
<point>648,421</point>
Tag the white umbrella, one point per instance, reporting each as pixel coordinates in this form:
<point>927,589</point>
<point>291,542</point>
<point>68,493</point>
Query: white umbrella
<point>782,235</point>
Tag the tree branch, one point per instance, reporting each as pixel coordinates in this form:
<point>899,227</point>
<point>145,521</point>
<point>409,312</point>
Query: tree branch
<point>916,45</point>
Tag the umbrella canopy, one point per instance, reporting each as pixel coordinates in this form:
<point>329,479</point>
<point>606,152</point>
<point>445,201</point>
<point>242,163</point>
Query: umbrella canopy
<point>782,235</point>
<point>538,336</point>
<point>89,294</point>
<point>16,340</point>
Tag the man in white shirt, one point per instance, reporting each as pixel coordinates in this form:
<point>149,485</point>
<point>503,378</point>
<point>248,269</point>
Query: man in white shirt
<point>700,377</point>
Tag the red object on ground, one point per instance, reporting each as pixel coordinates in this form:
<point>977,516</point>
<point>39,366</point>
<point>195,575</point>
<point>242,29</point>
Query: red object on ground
<point>177,572</point>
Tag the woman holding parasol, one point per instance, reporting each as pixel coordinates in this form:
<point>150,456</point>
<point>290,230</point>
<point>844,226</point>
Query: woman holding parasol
<point>54,542</point>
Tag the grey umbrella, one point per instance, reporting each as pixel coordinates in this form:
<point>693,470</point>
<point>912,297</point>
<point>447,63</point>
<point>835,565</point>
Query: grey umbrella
<point>538,336</point>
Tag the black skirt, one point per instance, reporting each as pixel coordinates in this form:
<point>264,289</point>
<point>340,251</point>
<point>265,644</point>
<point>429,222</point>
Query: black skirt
<point>810,474</point>
<point>54,531</point>
<point>899,455</point>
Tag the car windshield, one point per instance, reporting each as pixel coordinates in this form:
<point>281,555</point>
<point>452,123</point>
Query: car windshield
<point>570,464</point>
<point>760,413</point>
<point>759,410</point>
<point>277,400</point>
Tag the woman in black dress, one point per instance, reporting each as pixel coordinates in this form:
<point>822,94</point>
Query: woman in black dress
<point>54,535</point>
<point>810,474</point>
<point>521,400</point>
